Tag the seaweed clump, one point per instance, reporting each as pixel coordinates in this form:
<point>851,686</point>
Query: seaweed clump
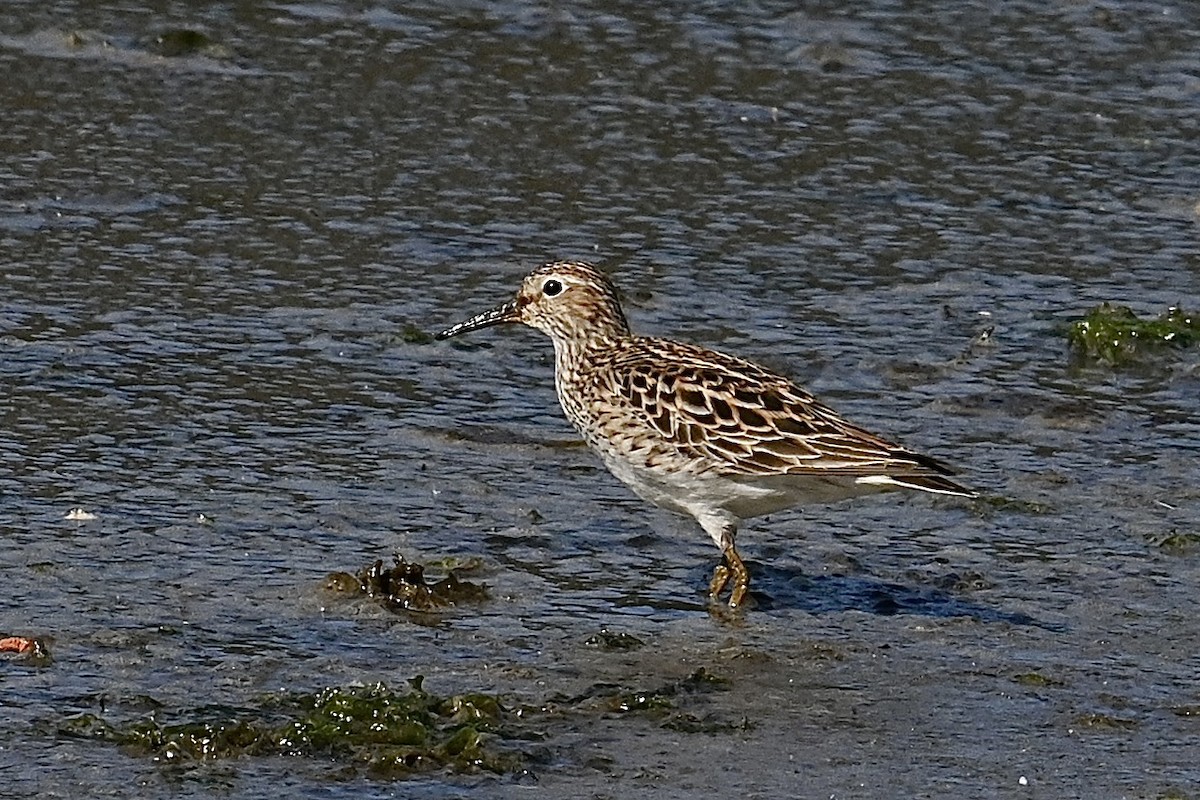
<point>402,586</point>
<point>382,733</point>
<point>389,734</point>
<point>1115,335</point>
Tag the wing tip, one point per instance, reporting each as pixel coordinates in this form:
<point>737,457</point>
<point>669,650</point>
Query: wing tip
<point>933,484</point>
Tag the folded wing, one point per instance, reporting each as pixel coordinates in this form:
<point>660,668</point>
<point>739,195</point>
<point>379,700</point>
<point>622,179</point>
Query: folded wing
<point>749,421</point>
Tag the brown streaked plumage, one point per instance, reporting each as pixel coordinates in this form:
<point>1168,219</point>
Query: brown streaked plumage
<point>696,431</point>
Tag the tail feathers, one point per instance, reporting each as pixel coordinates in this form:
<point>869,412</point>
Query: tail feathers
<point>935,484</point>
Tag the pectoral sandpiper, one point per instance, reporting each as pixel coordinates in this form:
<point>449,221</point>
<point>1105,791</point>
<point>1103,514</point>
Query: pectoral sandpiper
<point>696,431</point>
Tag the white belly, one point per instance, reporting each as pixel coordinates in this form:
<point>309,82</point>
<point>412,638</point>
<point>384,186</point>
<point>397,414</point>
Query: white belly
<point>704,493</point>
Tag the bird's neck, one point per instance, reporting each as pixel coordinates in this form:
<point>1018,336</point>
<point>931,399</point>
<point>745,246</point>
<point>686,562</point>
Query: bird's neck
<point>577,347</point>
<point>579,376</point>
<point>574,355</point>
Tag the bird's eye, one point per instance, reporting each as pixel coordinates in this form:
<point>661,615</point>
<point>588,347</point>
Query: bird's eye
<point>552,287</point>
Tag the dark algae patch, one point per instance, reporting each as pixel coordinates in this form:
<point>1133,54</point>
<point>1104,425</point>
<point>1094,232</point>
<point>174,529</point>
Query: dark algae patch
<point>1115,335</point>
<point>169,43</point>
<point>375,729</point>
<point>402,587</point>
<point>699,682</point>
<point>411,334</point>
<point>610,640</point>
<point>612,697</point>
<point>663,704</point>
<point>180,42</point>
<point>1105,722</point>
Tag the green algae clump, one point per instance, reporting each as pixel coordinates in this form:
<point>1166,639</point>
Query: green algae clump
<point>1037,679</point>
<point>387,733</point>
<point>1176,542</point>
<point>1106,722</point>
<point>1115,335</point>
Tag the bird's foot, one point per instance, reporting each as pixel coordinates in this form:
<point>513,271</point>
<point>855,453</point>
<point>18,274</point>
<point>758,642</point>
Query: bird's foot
<point>730,567</point>
<point>719,579</point>
<point>741,587</point>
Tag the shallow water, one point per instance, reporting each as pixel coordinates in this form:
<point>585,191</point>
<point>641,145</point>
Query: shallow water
<point>218,265</point>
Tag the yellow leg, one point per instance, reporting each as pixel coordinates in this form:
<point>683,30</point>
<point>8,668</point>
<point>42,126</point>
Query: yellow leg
<point>741,577</point>
<point>719,579</point>
<point>733,567</point>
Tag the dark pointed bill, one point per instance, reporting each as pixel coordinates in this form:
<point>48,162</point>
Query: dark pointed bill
<point>497,316</point>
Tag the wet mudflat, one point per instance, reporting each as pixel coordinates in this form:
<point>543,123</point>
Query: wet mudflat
<point>229,230</point>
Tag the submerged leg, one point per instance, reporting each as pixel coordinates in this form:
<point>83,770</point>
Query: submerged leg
<point>719,579</point>
<point>741,577</point>
<point>723,529</point>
